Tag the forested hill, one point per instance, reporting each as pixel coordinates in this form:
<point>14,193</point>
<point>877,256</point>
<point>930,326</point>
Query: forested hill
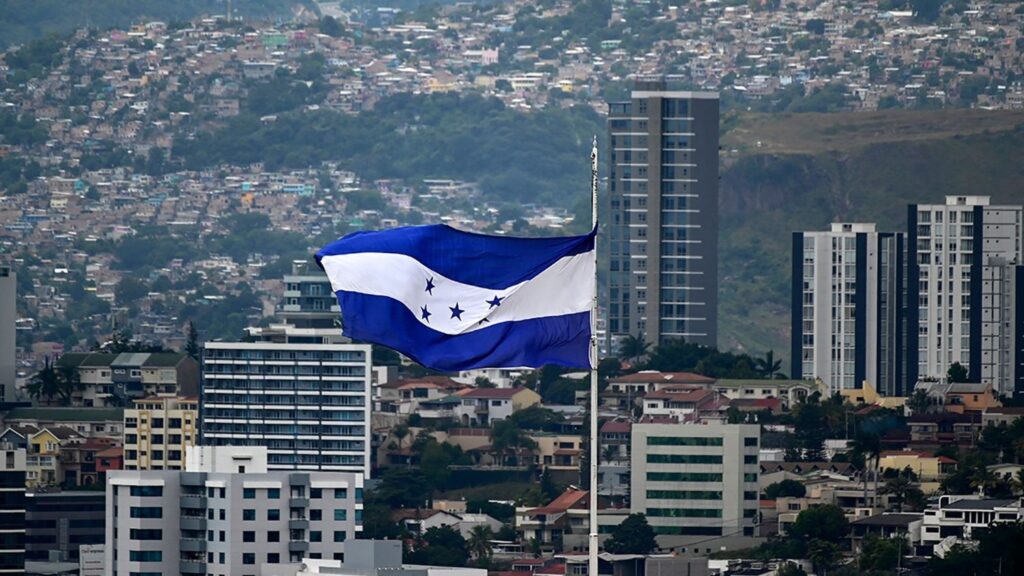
<point>24,20</point>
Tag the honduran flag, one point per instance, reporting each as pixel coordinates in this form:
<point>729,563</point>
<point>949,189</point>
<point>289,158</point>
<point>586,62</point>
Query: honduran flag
<point>454,300</point>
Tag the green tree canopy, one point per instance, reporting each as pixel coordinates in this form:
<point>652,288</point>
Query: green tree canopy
<point>633,536</point>
<point>822,522</point>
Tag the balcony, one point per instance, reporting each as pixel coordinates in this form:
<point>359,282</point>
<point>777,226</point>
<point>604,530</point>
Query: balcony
<point>192,567</point>
<point>193,501</point>
<point>193,523</point>
<point>298,524</point>
<point>193,545</point>
<point>298,502</point>
<point>298,546</point>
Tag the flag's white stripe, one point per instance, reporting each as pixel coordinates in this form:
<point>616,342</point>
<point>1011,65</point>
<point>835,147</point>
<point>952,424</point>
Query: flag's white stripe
<point>566,287</point>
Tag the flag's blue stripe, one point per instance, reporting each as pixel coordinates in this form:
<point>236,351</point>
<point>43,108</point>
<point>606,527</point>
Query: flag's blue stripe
<point>495,262</point>
<point>558,340</point>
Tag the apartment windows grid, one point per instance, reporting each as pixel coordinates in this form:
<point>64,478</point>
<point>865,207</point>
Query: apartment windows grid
<point>307,403</point>
<point>662,230</point>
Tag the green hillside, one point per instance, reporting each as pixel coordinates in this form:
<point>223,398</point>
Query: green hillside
<point>785,173</point>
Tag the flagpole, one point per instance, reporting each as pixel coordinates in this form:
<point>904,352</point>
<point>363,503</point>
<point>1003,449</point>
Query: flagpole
<point>593,542</point>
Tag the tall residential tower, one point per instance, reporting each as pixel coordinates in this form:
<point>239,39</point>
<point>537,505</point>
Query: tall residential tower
<point>848,317</point>
<point>663,224</point>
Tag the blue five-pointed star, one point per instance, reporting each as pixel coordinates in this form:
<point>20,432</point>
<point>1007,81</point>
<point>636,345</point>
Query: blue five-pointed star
<point>425,314</point>
<point>430,286</point>
<point>496,302</point>
<point>456,311</point>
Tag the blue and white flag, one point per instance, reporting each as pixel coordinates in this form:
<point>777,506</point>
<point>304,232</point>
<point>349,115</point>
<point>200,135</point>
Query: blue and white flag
<point>454,300</point>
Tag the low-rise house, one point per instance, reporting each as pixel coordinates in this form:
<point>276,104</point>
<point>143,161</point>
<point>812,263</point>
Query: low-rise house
<point>1002,415</point>
<point>483,406</point>
<point>114,379</point>
<point>930,469</point>
<point>891,525</point>
<point>677,403</point>
<point>419,520</point>
<point>952,519</point>
<point>944,429</point>
<point>87,422</point>
<point>787,391</point>
<point>566,515</point>
<point>961,397</point>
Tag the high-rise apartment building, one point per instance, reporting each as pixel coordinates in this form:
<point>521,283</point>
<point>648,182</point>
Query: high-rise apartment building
<point>226,514</point>
<point>309,404</point>
<point>848,318</point>
<point>58,523</point>
<point>157,431</point>
<point>8,318</point>
<point>12,510</point>
<point>696,479</point>
<point>663,222</point>
<point>963,293</point>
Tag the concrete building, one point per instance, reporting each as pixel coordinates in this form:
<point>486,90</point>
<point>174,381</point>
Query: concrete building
<point>115,379</point>
<point>663,223</point>
<point>59,522</point>
<point>369,558</point>
<point>227,514</point>
<point>954,518</point>
<point>696,479</point>
<point>964,268</point>
<point>12,510</point>
<point>309,404</point>
<point>848,321</point>
<point>8,318</point>
<point>158,430</point>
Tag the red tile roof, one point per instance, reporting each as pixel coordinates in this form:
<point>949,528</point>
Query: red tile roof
<point>616,427</point>
<point>566,500</point>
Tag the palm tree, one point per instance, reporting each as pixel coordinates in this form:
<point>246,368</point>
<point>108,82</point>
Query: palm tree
<point>609,452</point>
<point>60,382</point>
<point>769,367</point>
<point>868,446</point>
<point>983,479</point>
<point>899,487</point>
<point>1018,482</point>
<point>634,347</point>
<point>479,542</point>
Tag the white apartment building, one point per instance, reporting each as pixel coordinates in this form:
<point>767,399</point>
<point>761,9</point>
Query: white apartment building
<point>226,514</point>
<point>964,260</point>
<point>309,404</point>
<point>956,517</point>
<point>847,312</point>
<point>696,479</point>
<point>157,431</point>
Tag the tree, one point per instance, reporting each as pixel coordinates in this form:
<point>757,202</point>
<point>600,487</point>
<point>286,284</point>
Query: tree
<point>821,522</point>
<point>479,542</point>
<point>957,373</point>
<point>790,569</point>
<point>822,554</point>
<point>880,553</point>
<point>634,348</point>
<point>868,446</point>
<point>785,489</point>
<point>983,479</point>
<point>902,488</point>
<point>927,10</point>
<point>440,546</point>
<point>55,382</point>
<point>919,402</point>
<point>633,536</point>
<point>192,345</point>
<point>769,367</point>
<point>331,27</point>
<point>403,488</point>
<point>509,441</point>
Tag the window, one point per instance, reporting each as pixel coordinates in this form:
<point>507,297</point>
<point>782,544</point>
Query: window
<point>316,536</point>
<point>341,493</point>
<point>341,515</point>
<point>273,558</point>
<point>750,459</point>
<point>248,558</point>
<point>750,477</point>
<point>340,535</point>
<point>146,512</point>
<point>316,492</point>
<point>144,491</point>
<point>145,556</point>
<point>683,513</point>
<point>683,477</point>
<point>141,534</point>
<point>748,495</point>
<point>273,536</point>
<point>685,494</point>
<point>249,536</point>
<point>249,514</point>
<point>684,459</point>
<point>273,514</point>
<point>249,493</point>
<point>750,441</point>
<point>273,493</point>
<point>316,514</point>
<point>678,441</point>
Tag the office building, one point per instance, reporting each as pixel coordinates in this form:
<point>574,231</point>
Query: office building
<point>962,267</point>
<point>848,318</point>
<point>59,522</point>
<point>663,220</point>
<point>696,479</point>
<point>227,514</point>
<point>309,404</point>
<point>157,431</point>
<point>8,318</point>
<point>12,510</point>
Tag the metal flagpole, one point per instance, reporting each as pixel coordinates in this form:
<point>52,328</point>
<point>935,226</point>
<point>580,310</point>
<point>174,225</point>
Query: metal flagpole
<point>592,545</point>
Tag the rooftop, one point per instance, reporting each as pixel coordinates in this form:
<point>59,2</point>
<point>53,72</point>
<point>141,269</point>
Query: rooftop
<point>66,414</point>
